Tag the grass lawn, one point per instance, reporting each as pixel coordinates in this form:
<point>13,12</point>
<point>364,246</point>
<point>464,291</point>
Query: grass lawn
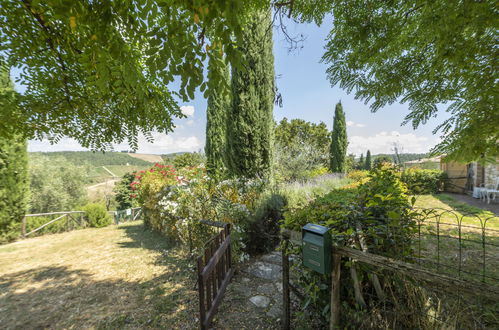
<point>470,251</point>
<point>114,277</point>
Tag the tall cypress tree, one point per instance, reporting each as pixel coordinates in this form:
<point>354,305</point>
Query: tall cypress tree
<point>14,182</point>
<point>339,141</point>
<point>216,124</point>
<point>361,161</point>
<point>250,122</point>
<point>369,163</point>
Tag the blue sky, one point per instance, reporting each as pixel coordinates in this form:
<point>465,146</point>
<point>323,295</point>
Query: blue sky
<point>307,94</point>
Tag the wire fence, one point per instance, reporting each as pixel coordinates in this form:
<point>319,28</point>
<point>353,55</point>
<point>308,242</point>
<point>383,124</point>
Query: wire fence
<point>450,278</point>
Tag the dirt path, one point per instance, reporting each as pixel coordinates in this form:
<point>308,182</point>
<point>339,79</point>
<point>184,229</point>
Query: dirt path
<point>108,278</point>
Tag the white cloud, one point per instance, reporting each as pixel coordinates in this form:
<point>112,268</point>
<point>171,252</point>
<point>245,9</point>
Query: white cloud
<point>190,122</point>
<point>187,110</point>
<point>383,143</point>
<point>354,124</point>
<point>162,144</point>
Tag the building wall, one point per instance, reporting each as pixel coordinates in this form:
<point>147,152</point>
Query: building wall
<point>457,174</point>
<point>491,173</point>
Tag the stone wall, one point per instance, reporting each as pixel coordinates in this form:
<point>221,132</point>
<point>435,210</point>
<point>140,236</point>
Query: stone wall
<point>491,173</point>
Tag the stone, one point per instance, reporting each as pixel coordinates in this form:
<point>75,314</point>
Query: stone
<point>272,258</point>
<point>245,280</point>
<point>242,289</point>
<point>265,271</point>
<point>279,286</point>
<point>267,289</point>
<point>275,311</point>
<point>260,301</point>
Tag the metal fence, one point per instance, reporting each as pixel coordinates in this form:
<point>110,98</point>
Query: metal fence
<point>450,280</point>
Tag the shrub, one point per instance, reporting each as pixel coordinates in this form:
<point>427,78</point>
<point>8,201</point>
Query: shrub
<point>174,201</point>
<point>377,212</point>
<point>124,194</point>
<point>261,233</point>
<point>421,181</point>
<point>357,175</point>
<point>318,172</point>
<point>97,215</point>
<point>14,184</point>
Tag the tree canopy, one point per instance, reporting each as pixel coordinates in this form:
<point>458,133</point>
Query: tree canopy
<point>100,71</point>
<point>339,141</point>
<point>426,53</point>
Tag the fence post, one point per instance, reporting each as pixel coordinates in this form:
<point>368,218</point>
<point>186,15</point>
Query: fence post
<point>285,285</point>
<point>334,323</point>
<point>201,292</point>
<point>23,228</point>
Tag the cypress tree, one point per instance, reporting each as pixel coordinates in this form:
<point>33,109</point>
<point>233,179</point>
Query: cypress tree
<point>14,182</point>
<point>216,124</point>
<point>250,121</point>
<point>361,162</point>
<point>368,165</point>
<point>339,141</point>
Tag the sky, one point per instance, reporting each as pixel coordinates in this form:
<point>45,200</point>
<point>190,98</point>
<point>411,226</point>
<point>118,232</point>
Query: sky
<point>307,94</point>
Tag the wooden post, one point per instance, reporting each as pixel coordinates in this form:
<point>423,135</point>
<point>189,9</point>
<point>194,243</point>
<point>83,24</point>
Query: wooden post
<point>23,228</point>
<point>202,311</point>
<point>285,286</point>
<point>334,322</point>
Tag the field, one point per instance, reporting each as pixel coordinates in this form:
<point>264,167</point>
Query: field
<point>108,278</point>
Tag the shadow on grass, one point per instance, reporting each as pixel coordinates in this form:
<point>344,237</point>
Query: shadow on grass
<point>57,296</point>
<point>464,207</point>
<point>144,238</point>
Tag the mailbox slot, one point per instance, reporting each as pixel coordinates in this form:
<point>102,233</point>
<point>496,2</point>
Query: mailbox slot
<point>316,249</point>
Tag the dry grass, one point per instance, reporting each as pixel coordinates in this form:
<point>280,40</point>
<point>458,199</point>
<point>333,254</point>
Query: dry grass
<point>113,277</point>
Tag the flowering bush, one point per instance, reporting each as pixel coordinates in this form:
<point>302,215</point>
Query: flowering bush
<point>174,201</point>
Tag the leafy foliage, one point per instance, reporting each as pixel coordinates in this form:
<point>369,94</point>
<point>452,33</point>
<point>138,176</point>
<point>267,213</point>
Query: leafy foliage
<point>124,193</point>
<point>250,122</point>
<point>99,71</point>
<point>380,160</point>
<point>14,179</point>
<point>300,149</point>
<point>97,215</point>
<point>427,54</point>
<point>216,125</point>
<point>188,159</point>
<point>56,184</point>
<point>173,202</point>
<point>420,181</point>
<point>368,164</point>
<point>339,141</point>
<point>14,185</point>
<point>377,212</point>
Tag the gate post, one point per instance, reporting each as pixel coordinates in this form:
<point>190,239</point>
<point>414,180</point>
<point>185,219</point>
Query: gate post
<point>334,322</point>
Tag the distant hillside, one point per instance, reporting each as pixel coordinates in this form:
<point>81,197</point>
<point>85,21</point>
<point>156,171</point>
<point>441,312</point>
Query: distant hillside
<point>148,157</point>
<point>98,158</point>
<point>403,157</point>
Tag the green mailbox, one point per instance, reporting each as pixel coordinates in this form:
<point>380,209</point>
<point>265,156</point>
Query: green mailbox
<point>316,248</point>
